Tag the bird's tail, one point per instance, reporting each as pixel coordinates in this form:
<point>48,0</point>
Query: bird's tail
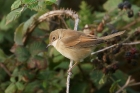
<point>112,35</point>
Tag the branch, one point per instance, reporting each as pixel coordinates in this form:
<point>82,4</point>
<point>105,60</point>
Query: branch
<point>50,14</point>
<point>68,77</point>
<point>126,84</point>
<point>124,44</point>
<point>5,69</point>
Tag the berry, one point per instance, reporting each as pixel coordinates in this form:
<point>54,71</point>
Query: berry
<point>127,4</point>
<point>128,54</point>
<point>108,60</point>
<point>130,13</point>
<point>120,6</point>
<point>105,71</point>
<point>100,55</point>
<point>115,66</point>
<point>105,34</point>
<point>112,70</point>
<point>133,50</point>
<point>117,49</point>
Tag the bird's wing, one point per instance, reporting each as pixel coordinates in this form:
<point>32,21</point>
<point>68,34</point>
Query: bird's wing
<point>78,39</point>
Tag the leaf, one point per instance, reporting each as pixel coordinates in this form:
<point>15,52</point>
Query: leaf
<point>36,47</point>
<point>79,88</point>
<point>3,26</point>
<point>31,87</point>
<point>29,1</point>
<point>114,86</point>
<point>19,33</point>
<point>13,15</point>
<point>22,29</point>
<point>12,79</point>
<point>22,54</point>
<point>50,2</point>
<point>3,56</point>
<point>1,37</point>
<point>16,4</point>
<point>62,65</point>
<point>11,88</point>
<point>96,77</point>
<point>111,4</point>
<point>19,85</point>
<point>103,80</point>
<point>34,6</point>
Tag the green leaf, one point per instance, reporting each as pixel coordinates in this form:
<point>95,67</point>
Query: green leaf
<point>62,65</point>
<point>12,79</point>
<point>34,6</point>
<point>79,88</point>
<point>22,29</point>
<point>19,85</point>
<point>11,88</point>
<point>19,33</point>
<point>50,2</point>
<point>111,4</point>
<point>103,80</point>
<point>3,26</point>
<point>3,56</point>
<point>16,4</point>
<point>13,15</point>
<point>31,87</point>
<point>29,1</point>
<point>114,86</point>
<point>22,54</point>
<point>36,47</point>
<point>2,37</point>
<point>96,77</point>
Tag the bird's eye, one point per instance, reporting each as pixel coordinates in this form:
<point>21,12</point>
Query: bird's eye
<point>53,38</point>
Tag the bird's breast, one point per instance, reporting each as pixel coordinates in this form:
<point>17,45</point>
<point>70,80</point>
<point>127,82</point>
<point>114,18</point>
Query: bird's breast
<point>73,53</point>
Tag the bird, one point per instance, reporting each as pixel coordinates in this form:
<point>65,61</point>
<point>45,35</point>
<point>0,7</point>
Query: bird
<point>76,45</point>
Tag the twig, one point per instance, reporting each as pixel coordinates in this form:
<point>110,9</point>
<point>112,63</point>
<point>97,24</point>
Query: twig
<point>6,70</point>
<point>71,61</point>
<point>68,77</point>
<point>63,21</point>
<point>124,44</point>
<point>50,14</point>
<point>101,50</point>
<point>138,83</point>
<point>126,84</point>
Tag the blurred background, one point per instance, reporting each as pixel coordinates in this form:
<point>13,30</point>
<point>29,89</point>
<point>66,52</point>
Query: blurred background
<point>26,65</point>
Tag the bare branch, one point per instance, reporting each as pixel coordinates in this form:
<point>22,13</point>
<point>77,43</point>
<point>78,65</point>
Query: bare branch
<point>50,14</point>
<point>5,69</point>
<point>124,44</point>
<point>68,77</point>
<point>126,84</point>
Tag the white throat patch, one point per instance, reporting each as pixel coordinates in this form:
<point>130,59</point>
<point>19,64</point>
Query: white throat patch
<point>54,43</point>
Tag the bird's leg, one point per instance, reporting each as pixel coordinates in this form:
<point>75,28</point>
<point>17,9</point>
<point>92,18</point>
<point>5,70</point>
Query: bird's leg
<point>70,67</point>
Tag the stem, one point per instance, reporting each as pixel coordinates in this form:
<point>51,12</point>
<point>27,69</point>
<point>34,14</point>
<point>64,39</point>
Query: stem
<point>68,77</point>
<point>5,68</point>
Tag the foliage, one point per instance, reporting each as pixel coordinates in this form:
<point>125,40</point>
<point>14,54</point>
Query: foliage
<point>27,66</point>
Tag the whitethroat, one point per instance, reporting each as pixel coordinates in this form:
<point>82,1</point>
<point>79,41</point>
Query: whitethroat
<point>76,45</point>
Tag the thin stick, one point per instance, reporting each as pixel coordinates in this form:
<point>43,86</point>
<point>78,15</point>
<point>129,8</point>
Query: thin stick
<point>68,77</point>
<point>5,69</point>
<point>101,50</point>
<point>138,83</point>
<point>126,84</point>
<point>124,44</point>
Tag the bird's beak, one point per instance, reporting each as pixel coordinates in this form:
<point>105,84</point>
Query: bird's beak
<point>48,45</point>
